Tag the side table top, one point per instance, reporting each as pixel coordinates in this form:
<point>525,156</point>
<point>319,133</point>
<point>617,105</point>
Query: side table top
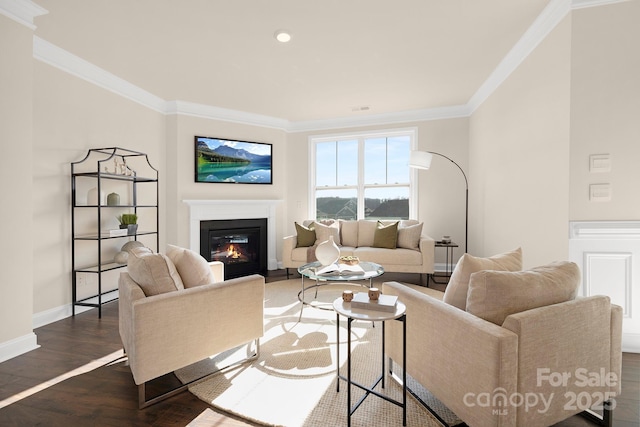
<point>344,308</point>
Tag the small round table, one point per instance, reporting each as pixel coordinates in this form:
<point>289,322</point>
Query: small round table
<point>345,309</point>
<point>313,271</point>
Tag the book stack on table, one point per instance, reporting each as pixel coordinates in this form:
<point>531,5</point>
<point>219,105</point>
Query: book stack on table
<point>386,303</point>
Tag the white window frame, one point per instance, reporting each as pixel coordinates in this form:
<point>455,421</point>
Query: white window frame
<point>412,133</point>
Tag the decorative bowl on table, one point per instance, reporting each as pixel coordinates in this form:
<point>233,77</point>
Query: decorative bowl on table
<point>348,259</point>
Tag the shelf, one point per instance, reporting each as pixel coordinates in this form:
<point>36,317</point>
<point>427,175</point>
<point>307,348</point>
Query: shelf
<point>106,175</point>
<point>105,236</point>
<point>105,267</point>
<point>115,206</point>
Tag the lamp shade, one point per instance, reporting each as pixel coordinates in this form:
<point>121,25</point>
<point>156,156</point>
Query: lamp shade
<point>420,159</point>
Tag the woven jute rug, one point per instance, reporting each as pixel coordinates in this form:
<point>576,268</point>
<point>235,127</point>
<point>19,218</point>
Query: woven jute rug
<point>293,381</point>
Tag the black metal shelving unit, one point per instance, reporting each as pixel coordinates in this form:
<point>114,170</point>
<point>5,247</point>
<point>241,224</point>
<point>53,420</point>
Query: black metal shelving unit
<point>132,171</point>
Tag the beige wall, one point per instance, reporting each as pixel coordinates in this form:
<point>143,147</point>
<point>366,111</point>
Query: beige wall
<point>70,116</point>
<point>605,109</point>
<point>16,166</point>
<point>519,156</point>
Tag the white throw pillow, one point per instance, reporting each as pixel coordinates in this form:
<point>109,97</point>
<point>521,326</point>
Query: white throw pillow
<point>409,236</point>
<point>193,268</point>
<point>323,231</point>
<point>456,292</point>
<point>154,273</point>
<point>494,295</point>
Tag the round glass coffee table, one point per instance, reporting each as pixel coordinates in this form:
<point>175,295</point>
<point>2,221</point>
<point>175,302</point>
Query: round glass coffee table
<point>315,271</point>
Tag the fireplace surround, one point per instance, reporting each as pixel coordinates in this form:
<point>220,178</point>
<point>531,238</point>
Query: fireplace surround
<point>206,210</point>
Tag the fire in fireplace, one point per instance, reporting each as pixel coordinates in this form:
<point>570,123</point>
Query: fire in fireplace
<point>241,244</point>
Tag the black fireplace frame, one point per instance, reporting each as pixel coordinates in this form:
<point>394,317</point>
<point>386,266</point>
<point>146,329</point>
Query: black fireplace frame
<point>236,270</point>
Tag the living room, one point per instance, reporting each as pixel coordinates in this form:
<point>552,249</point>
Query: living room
<point>524,138</point>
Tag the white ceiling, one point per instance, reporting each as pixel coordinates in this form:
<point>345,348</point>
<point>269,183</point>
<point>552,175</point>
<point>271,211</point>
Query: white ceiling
<point>389,56</point>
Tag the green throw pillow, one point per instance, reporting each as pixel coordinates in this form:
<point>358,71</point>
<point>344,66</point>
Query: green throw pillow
<point>386,236</point>
<point>306,236</point>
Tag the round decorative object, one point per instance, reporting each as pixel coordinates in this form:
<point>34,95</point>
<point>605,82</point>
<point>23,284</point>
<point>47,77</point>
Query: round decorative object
<point>130,245</point>
<point>446,239</point>
<point>121,257</point>
<point>374,294</point>
<point>347,296</point>
<point>327,252</point>
<point>113,199</point>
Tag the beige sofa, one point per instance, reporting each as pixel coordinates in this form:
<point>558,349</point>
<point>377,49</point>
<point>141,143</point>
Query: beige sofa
<point>522,335</point>
<point>412,252</point>
<point>177,313</point>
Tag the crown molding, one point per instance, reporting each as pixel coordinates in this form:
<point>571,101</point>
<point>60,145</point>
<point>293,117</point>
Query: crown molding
<point>193,109</point>
<point>550,17</point>
<point>22,11</point>
<point>581,4</point>
<point>57,57</point>
<point>74,65</point>
<point>451,112</point>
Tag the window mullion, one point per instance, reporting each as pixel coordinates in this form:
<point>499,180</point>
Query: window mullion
<point>361,166</point>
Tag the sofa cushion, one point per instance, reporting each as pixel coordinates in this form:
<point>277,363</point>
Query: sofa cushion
<point>388,257</point>
<point>193,268</point>
<point>409,236</point>
<point>385,236</point>
<point>494,295</point>
<point>323,231</point>
<point>306,236</point>
<point>456,292</point>
<point>154,273</point>
<point>349,233</point>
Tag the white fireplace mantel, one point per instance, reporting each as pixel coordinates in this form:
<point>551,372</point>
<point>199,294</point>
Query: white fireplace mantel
<point>208,210</point>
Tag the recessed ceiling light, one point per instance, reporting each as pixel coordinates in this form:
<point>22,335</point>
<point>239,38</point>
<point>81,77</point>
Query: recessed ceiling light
<point>282,36</point>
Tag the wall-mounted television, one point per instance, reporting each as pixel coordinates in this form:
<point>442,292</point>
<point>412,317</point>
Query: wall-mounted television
<point>231,161</point>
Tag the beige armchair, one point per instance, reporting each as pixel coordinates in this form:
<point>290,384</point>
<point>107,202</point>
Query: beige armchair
<point>536,368</point>
<point>165,332</point>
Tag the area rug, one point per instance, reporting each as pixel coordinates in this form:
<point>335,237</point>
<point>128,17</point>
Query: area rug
<point>293,382</point>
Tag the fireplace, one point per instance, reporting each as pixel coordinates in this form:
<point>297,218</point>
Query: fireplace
<point>241,244</point>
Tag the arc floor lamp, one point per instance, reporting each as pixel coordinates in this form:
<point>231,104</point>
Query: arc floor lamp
<point>422,160</point>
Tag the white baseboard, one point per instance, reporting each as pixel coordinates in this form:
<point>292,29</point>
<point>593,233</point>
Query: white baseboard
<point>54,314</point>
<point>18,346</point>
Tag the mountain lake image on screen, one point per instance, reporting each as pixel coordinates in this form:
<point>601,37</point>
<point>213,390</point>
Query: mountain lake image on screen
<point>230,161</point>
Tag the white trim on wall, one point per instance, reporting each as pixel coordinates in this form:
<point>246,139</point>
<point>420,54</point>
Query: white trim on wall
<point>76,66</point>
<point>17,346</point>
<point>22,11</point>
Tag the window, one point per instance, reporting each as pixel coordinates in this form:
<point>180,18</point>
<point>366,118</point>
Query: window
<point>362,176</point>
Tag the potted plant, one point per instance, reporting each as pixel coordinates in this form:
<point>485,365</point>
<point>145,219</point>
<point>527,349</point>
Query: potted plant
<point>130,222</point>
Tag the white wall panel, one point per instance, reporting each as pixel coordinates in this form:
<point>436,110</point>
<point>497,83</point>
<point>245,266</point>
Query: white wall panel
<point>608,253</point>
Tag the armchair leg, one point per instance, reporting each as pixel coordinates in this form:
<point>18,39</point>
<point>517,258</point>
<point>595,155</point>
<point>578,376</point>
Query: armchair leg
<point>606,420</point>
<point>142,392</point>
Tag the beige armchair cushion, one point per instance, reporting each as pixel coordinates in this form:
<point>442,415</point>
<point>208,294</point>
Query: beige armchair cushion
<point>193,268</point>
<point>155,273</point>
<point>457,289</point>
<point>494,295</point>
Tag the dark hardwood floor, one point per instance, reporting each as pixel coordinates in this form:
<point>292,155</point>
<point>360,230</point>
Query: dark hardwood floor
<point>78,378</point>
